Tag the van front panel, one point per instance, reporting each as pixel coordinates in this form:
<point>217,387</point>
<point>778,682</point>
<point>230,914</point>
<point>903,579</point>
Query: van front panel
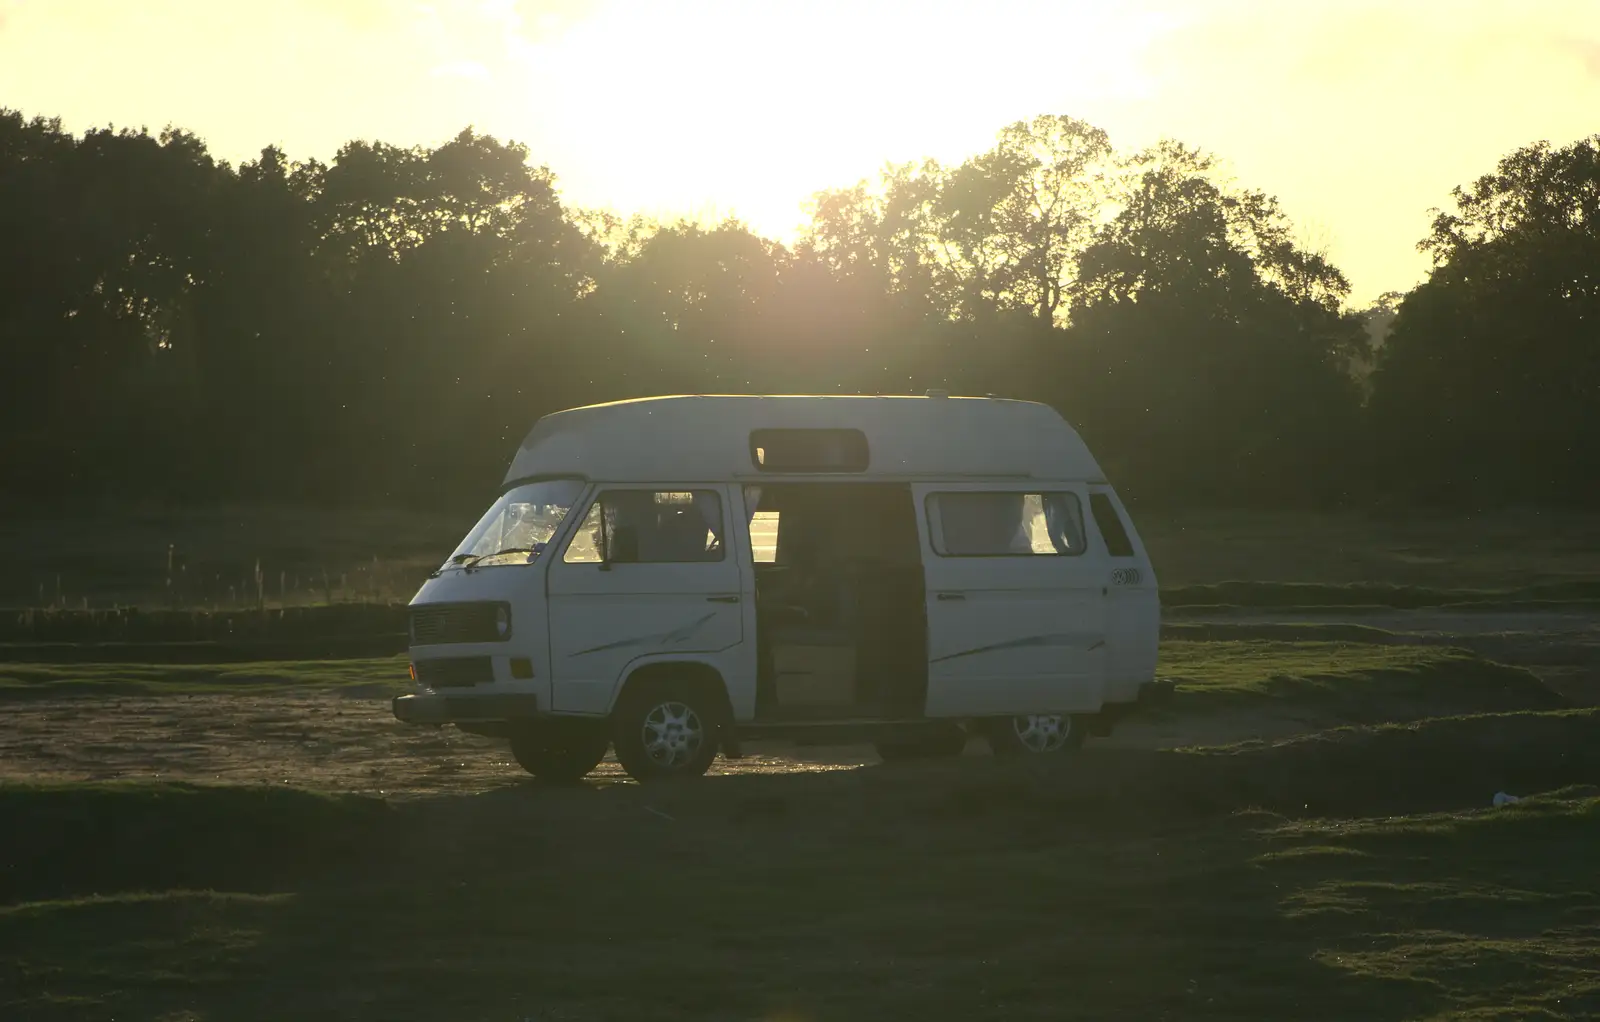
<point>482,631</point>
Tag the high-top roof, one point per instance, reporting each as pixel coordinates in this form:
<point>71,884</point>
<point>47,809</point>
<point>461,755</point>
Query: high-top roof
<point>707,438</point>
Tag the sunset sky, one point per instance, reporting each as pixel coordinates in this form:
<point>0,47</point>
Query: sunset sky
<point>1359,115</point>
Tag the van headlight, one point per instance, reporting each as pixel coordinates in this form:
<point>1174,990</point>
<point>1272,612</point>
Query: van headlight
<point>502,621</point>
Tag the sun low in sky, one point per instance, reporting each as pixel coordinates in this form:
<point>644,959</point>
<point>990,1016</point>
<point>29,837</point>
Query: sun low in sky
<point>1359,115</point>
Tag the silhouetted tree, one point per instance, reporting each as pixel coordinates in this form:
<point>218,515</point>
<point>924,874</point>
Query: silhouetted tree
<point>384,327</point>
<point>1488,386</point>
<point>996,233</point>
<point>1209,352</point>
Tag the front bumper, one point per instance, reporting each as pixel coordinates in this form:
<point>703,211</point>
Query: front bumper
<point>437,708</point>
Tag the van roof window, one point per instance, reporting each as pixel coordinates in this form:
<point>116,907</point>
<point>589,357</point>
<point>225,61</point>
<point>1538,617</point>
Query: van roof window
<point>809,450</point>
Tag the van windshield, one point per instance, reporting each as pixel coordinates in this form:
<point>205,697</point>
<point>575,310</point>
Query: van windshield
<point>516,527</point>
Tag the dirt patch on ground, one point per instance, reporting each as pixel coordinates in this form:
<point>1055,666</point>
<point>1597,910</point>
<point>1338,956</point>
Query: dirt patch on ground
<point>318,740</point>
<point>1169,731</point>
<point>347,740</point>
<point>338,743</point>
<point>350,742</point>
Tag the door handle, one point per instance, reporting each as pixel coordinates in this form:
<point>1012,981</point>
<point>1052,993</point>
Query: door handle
<point>952,596</point>
<point>722,599</point>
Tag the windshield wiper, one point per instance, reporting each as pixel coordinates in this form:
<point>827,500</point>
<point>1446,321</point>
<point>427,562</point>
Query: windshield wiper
<point>466,561</point>
<point>529,550</point>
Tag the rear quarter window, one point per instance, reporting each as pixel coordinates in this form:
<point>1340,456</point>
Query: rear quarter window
<point>1110,525</point>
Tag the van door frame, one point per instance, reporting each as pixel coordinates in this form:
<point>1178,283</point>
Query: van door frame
<point>741,683</point>
<point>1133,605</point>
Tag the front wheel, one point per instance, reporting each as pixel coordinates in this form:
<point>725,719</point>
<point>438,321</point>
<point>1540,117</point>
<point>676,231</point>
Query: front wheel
<point>562,753</point>
<point>1036,733</point>
<point>665,731</point>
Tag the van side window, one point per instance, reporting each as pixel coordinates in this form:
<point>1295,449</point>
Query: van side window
<point>1109,523</point>
<point>649,527</point>
<point>1005,524</point>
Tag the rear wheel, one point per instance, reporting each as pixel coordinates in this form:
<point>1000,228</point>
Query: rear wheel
<point>666,730</point>
<point>562,753</point>
<point>939,743</point>
<point>1036,734</point>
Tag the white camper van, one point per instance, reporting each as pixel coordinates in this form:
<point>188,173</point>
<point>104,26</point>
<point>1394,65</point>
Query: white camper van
<point>669,575</point>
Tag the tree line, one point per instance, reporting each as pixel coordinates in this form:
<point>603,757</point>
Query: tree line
<point>383,328</point>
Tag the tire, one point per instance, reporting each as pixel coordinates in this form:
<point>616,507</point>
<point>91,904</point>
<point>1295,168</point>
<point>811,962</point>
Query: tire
<point>940,743</point>
<point>666,730</point>
<point>1036,734</point>
<point>561,753</point>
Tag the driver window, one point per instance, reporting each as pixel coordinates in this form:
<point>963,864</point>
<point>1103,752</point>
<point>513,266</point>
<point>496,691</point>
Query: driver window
<point>650,527</point>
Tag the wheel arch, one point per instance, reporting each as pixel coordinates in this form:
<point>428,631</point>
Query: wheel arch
<point>697,674</point>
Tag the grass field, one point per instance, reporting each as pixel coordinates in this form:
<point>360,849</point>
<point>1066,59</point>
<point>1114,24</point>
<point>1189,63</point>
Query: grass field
<point>55,681</point>
<point>207,828</point>
<point>973,891</point>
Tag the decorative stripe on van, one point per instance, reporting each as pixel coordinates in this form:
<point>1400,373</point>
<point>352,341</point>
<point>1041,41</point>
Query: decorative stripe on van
<point>1056,639</point>
<point>680,634</point>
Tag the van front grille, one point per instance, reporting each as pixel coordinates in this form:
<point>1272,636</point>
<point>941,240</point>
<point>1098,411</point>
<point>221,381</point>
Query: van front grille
<point>436,623</point>
<point>455,672</point>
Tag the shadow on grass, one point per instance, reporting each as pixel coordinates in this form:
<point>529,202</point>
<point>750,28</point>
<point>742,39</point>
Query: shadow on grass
<point>1253,881</point>
<point>1494,910</point>
<point>1264,595</point>
<point>23,681</point>
<point>1350,682</point>
<point>481,909</point>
